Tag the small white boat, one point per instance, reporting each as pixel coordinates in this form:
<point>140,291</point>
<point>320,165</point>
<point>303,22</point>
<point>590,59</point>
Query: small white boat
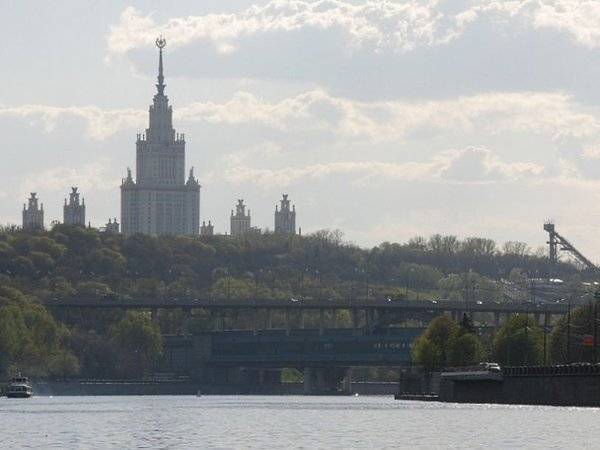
<point>19,387</point>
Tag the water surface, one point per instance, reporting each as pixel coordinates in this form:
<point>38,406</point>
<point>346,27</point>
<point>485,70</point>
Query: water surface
<point>226,422</point>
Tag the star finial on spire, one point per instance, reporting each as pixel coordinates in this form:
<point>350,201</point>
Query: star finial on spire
<point>161,43</point>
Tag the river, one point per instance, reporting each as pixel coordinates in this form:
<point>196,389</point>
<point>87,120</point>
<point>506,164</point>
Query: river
<point>226,422</point>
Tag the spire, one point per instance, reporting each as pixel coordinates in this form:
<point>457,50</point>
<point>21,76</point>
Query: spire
<point>160,43</point>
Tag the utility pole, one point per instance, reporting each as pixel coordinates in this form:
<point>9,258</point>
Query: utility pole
<point>545,335</point>
<point>527,334</point>
<point>569,332</point>
<point>596,297</point>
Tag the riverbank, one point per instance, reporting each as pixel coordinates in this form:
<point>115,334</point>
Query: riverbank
<point>565,385</point>
<point>187,387</point>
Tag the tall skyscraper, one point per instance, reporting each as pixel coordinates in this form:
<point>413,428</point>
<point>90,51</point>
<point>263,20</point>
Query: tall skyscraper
<point>285,219</point>
<point>33,214</point>
<point>74,210</point>
<point>160,200</point>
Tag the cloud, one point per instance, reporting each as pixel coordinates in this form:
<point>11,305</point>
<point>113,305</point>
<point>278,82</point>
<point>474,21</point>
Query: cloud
<point>553,115</point>
<point>97,176</point>
<point>469,165</point>
<point>100,124</point>
<point>380,26</point>
<point>479,164</point>
<point>578,18</point>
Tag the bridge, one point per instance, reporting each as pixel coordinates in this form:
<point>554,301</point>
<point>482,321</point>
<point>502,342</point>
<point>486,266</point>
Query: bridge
<point>325,357</point>
<point>380,304</point>
<point>363,312</point>
<point>244,339</point>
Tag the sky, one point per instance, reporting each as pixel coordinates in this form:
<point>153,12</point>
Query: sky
<point>384,119</point>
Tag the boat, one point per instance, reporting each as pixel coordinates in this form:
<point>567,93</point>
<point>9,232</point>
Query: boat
<point>19,387</point>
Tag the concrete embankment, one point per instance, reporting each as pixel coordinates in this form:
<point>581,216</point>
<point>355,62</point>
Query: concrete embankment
<point>568,385</point>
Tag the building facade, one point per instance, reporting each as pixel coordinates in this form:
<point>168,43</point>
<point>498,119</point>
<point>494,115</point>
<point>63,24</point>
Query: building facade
<point>33,214</point>
<point>112,226</point>
<point>74,210</point>
<point>207,230</point>
<point>240,221</point>
<point>160,200</point>
<point>285,218</point>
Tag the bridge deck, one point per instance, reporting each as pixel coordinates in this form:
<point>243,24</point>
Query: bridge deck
<point>354,304</point>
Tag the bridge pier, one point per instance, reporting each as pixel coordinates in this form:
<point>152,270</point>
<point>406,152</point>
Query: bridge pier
<point>187,316</point>
<point>287,324</point>
<point>354,314</point>
<point>255,322</point>
<point>321,320</point>
<point>219,320</point>
<point>322,380</point>
<point>347,382</point>
<point>154,315</point>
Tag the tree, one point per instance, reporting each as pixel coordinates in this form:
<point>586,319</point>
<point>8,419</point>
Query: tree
<point>105,261</point>
<point>31,340</point>
<point>445,342</point>
<point>14,336</point>
<point>515,248</point>
<point>581,326</point>
<point>140,342</point>
<point>93,289</point>
<point>464,349</point>
<point>42,262</point>
<point>431,348</point>
<point>519,341</point>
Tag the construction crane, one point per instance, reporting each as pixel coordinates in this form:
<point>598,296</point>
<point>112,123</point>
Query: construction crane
<point>555,241</point>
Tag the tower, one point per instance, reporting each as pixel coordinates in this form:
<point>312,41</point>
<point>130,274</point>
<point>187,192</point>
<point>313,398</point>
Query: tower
<point>207,230</point>
<point>74,210</point>
<point>33,215</point>
<point>160,200</point>
<point>111,227</point>
<point>285,219</point>
<point>240,221</point>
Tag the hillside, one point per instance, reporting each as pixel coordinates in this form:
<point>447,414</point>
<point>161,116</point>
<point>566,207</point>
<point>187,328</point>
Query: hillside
<point>74,261</point>
<point>68,261</point>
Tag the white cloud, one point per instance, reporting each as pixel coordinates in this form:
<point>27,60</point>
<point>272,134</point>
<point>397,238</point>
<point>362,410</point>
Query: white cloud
<point>379,24</point>
<point>579,18</point>
<point>97,176</point>
<point>469,165</point>
<point>554,115</point>
<point>376,25</point>
<point>100,124</point>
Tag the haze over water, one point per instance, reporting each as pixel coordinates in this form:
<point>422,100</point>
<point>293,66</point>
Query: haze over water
<point>287,422</point>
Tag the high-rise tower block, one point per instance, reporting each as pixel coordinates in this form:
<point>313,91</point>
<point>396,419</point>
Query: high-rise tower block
<point>160,200</point>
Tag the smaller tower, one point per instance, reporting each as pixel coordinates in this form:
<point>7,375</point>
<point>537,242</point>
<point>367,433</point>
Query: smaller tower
<point>285,219</point>
<point>74,210</point>
<point>240,221</point>
<point>111,227</point>
<point>207,230</point>
<point>33,215</point>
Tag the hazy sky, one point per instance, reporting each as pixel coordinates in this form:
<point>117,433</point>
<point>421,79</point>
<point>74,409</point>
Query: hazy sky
<point>383,119</point>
